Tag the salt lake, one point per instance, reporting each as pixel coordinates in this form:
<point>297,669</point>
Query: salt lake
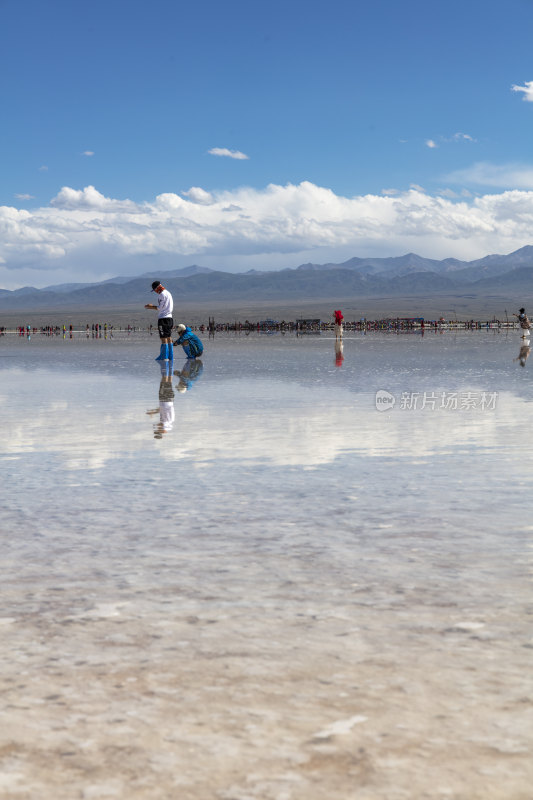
<point>290,571</point>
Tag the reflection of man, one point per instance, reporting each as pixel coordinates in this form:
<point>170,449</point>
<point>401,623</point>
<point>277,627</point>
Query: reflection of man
<point>523,354</point>
<point>525,324</point>
<point>166,404</point>
<point>165,322</point>
<point>191,371</point>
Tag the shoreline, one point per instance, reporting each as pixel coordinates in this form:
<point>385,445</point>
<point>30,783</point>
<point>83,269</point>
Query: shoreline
<point>451,307</point>
<point>300,327</point>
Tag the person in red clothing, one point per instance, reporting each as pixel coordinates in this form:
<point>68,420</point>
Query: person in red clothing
<point>338,324</point>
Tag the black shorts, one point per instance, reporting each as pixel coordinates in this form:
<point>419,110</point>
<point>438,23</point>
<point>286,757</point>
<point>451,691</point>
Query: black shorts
<point>166,393</point>
<point>165,325</point>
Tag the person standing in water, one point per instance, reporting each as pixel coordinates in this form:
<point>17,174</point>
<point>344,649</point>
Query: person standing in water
<point>338,324</point>
<point>165,323</point>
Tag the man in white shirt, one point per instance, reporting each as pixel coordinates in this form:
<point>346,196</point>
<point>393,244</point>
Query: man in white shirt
<point>165,322</point>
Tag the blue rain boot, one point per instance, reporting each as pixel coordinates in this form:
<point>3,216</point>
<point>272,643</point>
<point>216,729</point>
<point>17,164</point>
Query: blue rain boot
<point>163,355</point>
<point>170,351</point>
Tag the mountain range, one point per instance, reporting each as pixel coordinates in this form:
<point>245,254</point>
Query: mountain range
<point>409,274</point>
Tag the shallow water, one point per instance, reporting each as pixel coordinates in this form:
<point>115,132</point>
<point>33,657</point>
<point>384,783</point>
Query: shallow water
<point>288,573</point>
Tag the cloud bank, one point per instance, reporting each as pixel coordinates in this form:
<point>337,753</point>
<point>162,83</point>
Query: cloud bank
<point>83,235</point>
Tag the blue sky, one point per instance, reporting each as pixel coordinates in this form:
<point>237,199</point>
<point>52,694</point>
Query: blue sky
<point>260,135</point>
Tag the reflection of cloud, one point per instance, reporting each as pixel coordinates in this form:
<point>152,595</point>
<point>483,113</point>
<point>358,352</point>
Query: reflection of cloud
<point>86,438</point>
<point>321,432</point>
<point>288,431</point>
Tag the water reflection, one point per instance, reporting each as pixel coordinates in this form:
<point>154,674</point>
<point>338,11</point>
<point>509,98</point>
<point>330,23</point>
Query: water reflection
<point>400,578</point>
<point>166,402</point>
<point>339,352</point>
<point>523,355</point>
<point>266,399</point>
<point>189,373</point>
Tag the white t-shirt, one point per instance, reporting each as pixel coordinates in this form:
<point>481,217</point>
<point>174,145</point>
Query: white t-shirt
<point>165,304</point>
<point>166,415</point>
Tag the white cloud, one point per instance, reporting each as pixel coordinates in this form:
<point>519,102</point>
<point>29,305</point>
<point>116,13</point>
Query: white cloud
<point>503,176</point>
<point>25,197</point>
<point>199,195</point>
<point>88,153</point>
<point>83,235</point>
<point>223,151</point>
<point>527,89</point>
<point>461,137</point>
<point>447,193</point>
<point>456,137</point>
<point>88,198</point>
<point>44,168</point>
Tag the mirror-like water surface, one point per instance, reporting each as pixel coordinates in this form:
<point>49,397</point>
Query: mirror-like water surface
<point>289,571</point>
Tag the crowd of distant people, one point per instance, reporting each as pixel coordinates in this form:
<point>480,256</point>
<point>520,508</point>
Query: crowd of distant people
<point>192,344</point>
<point>273,325</point>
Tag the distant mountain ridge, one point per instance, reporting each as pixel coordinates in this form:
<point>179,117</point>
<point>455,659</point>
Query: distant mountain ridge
<point>173,273</point>
<point>469,271</point>
<point>409,274</point>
